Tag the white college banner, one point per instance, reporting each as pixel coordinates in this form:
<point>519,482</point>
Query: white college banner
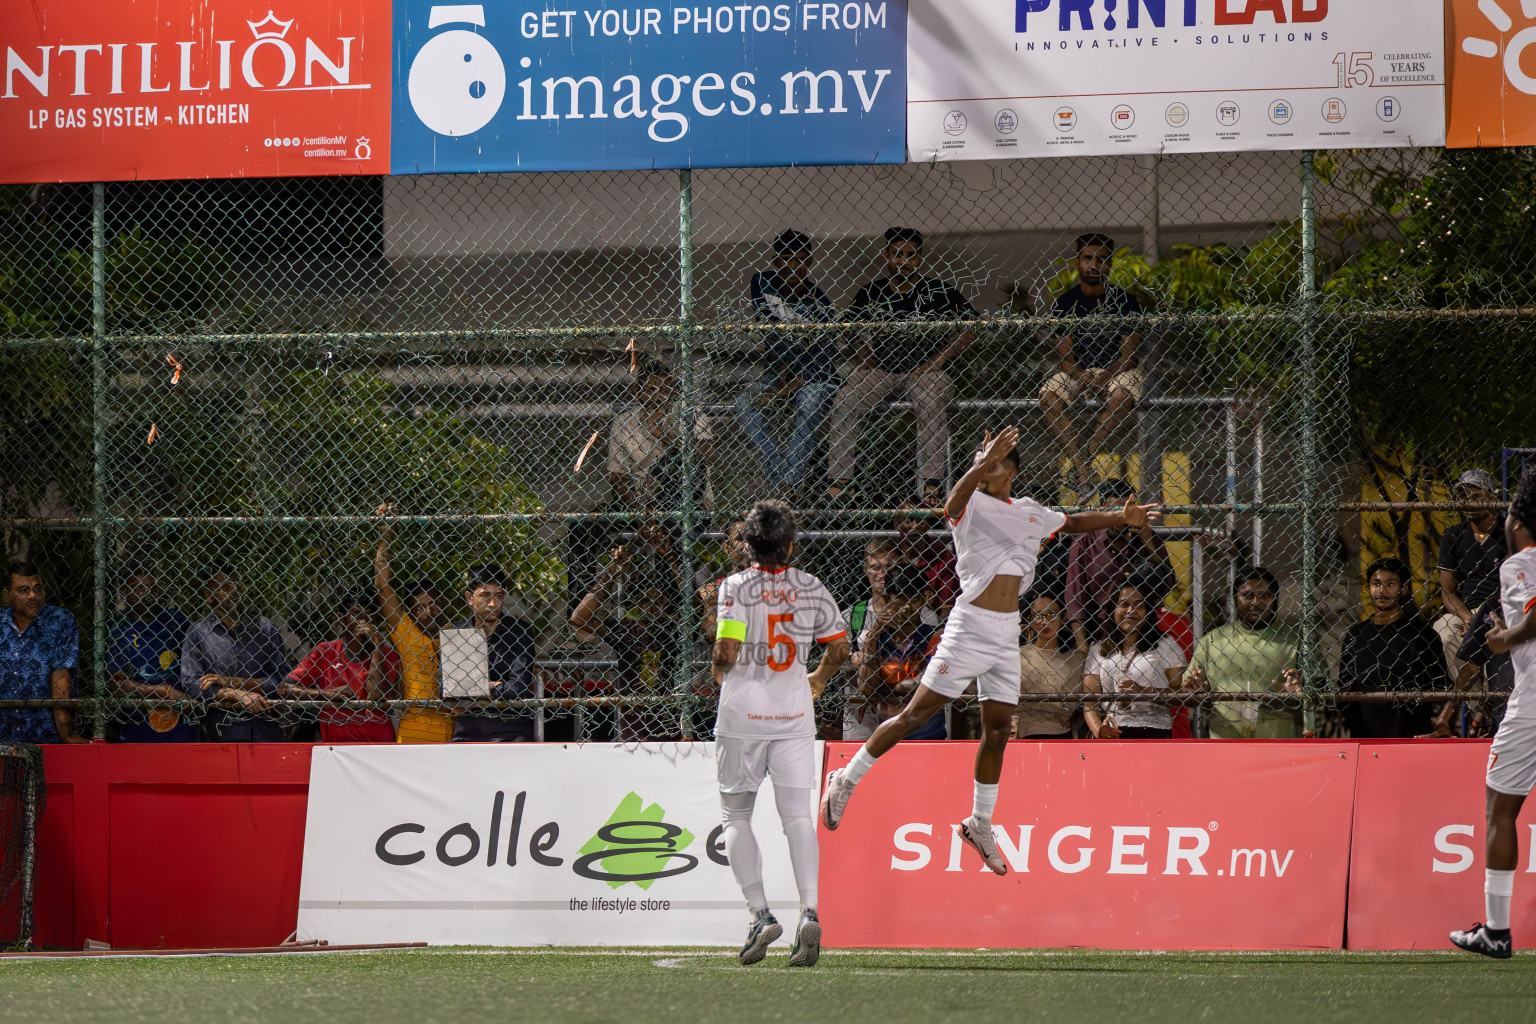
<point>989,79</point>
<point>528,844</point>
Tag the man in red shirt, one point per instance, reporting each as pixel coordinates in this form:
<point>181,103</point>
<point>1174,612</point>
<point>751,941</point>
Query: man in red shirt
<point>361,665</point>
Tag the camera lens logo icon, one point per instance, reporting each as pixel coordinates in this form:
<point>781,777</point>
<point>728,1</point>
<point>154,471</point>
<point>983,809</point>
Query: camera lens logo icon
<point>457,81</point>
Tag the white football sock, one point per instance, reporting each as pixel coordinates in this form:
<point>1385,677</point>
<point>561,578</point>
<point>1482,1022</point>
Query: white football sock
<point>741,848</point>
<point>986,800</point>
<point>1498,891</point>
<point>800,829</point>
<point>861,762</point>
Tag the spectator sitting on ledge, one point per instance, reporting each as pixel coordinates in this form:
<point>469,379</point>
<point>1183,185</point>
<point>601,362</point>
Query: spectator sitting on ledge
<point>908,362</point>
<point>1096,362</point>
<point>800,366</point>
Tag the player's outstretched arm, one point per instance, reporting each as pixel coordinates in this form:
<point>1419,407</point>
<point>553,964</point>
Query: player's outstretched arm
<point>993,450</point>
<point>1132,515</point>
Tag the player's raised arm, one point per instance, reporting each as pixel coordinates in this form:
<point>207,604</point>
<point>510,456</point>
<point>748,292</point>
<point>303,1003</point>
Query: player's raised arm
<point>993,450</point>
<point>389,600</point>
<point>1133,515</point>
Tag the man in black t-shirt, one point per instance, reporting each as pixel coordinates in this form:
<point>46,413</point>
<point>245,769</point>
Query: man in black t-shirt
<point>910,360</point>
<point>1096,361</point>
<point>1392,650</point>
<point>1470,555</point>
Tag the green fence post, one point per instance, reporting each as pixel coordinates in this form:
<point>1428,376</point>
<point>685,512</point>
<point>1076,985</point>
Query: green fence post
<point>97,688</point>
<point>687,627</point>
<point>1311,665</point>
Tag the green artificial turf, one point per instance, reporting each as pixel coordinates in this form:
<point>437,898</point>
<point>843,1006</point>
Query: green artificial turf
<point>679,986</point>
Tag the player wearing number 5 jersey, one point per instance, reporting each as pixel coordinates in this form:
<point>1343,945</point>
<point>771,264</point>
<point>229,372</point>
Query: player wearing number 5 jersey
<point>770,617</point>
<point>997,542</point>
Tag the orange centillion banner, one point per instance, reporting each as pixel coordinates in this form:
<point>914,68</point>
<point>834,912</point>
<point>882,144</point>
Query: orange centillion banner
<point>193,88</point>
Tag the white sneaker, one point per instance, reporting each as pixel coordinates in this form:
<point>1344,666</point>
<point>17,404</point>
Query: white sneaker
<point>978,836</point>
<point>834,799</point>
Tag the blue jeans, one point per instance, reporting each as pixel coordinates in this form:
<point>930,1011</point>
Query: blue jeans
<point>811,405</point>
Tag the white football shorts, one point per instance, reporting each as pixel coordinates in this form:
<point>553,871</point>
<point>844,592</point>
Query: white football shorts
<point>742,764</point>
<point>979,645</point>
<point>1512,761</point>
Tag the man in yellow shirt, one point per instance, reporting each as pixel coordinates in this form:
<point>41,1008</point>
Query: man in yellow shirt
<point>413,630</point>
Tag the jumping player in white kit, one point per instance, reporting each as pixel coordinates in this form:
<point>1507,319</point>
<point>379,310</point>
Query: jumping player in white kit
<point>769,618</point>
<point>997,542</point>
<point>1512,761</point>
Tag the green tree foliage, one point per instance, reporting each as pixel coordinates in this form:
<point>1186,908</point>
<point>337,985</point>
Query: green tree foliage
<point>1457,238</point>
<point>323,445</point>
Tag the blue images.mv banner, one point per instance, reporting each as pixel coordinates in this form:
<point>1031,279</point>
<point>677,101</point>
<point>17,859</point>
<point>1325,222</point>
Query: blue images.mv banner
<point>550,85</point>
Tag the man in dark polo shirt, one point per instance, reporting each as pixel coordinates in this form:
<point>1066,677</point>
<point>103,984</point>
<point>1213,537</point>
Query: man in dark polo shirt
<point>1097,360</point>
<point>1470,555</point>
<point>909,362</point>
<point>512,649</point>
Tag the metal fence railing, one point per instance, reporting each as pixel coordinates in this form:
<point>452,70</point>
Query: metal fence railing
<point>222,395</point>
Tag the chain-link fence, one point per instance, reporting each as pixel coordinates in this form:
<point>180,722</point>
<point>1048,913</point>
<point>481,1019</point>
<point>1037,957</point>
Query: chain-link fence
<point>289,449</point>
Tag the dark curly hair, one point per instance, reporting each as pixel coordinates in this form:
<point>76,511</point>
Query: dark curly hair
<point>1523,508</point>
<point>1148,634</point>
<point>769,531</point>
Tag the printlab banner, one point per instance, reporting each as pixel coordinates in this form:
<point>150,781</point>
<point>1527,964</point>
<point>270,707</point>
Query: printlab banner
<point>992,78</point>
<point>523,85</point>
<point>1110,845</point>
<point>113,91</point>
<point>1416,861</point>
<point>524,844</point>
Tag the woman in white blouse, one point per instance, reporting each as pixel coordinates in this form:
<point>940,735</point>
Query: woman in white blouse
<point>1136,657</point>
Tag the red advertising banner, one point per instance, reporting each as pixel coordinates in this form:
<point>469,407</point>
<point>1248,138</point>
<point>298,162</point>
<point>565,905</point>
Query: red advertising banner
<point>1417,861</point>
<point>138,89</point>
<point>1114,845</point>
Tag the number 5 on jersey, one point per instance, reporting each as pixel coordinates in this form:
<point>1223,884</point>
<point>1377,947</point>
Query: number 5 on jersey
<point>777,639</point>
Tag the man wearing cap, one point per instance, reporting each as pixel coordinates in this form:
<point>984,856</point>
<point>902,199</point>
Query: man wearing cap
<point>1470,555</point>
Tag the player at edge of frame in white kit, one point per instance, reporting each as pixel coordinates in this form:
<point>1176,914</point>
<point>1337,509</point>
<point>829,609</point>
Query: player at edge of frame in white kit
<point>1512,759</point>
<point>769,616</point>
<point>997,543</point>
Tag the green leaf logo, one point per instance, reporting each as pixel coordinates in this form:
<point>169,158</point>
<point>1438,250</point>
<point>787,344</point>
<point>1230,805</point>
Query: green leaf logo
<point>636,845</point>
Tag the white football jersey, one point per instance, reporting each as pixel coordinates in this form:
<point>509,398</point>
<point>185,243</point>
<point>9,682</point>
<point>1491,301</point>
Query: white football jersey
<point>778,616</point>
<point>1517,596</point>
<point>1000,538</point>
